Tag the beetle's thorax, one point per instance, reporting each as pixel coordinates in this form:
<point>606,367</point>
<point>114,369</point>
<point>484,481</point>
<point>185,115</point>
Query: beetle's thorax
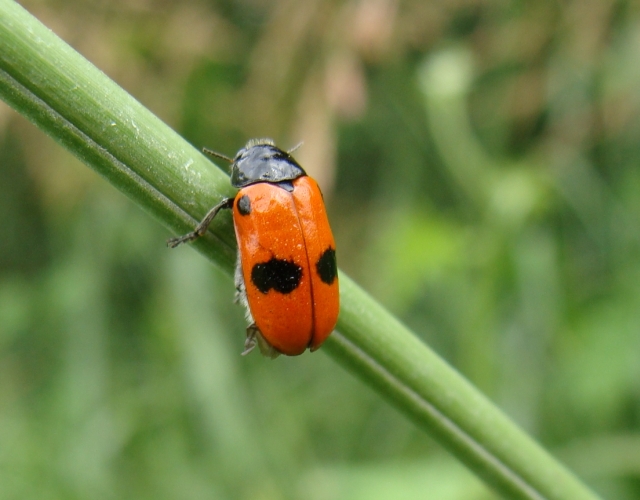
<point>261,161</point>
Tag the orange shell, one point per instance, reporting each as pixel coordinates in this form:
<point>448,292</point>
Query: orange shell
<point>290,226</point>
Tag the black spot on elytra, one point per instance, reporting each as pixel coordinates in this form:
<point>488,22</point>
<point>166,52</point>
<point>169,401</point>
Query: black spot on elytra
<point>282,275</point>
<point>327,267</point>
<point>244,205</point>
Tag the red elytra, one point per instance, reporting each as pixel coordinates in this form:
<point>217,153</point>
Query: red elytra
<point>286,274</point>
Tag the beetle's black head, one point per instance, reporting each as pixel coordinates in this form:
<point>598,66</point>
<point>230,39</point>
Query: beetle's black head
<point>261,161</point>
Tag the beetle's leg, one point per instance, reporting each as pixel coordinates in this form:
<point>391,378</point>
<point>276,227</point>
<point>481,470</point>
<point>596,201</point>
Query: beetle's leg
<point>204,224</point>
<point>255,337</point>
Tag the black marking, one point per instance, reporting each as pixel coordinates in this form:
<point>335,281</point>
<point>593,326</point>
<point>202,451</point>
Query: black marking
<point>327,266</point>
<point>282,275</point>
<point>244,205</point>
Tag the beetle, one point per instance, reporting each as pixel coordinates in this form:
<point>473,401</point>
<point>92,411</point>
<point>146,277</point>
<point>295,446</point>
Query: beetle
<point>286,273</point>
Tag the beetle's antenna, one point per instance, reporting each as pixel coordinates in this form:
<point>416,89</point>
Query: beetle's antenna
<point>295,147</point>
<point>217,155</point>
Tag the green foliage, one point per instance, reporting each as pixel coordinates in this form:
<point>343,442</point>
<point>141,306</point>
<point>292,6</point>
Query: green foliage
<point>480,168</point>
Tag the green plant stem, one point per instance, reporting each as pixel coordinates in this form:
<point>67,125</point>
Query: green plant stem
<point>81,108</point>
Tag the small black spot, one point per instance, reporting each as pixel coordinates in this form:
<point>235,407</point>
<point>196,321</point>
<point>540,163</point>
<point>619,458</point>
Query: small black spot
<point>282,275</point>
<point>244,205</point>
<point>327,267</point>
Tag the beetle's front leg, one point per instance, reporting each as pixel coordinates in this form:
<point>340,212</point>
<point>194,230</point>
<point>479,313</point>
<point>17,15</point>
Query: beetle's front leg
<point>201,228</point>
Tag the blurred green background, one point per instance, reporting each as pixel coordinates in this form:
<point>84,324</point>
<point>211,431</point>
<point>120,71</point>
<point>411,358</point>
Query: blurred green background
<point>480,164</point>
